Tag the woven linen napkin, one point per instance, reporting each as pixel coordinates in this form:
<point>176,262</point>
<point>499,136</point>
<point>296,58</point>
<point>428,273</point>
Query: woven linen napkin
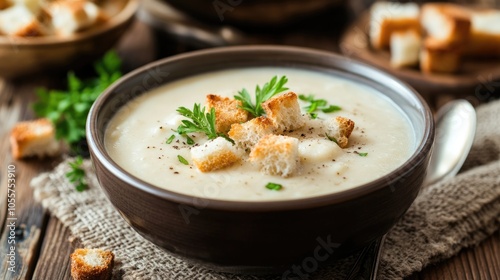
<point>446,217</point>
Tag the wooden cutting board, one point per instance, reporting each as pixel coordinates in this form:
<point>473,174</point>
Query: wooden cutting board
<point>478,78</point>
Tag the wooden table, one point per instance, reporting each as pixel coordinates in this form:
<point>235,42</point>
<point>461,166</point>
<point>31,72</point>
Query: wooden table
<point>44,245</point>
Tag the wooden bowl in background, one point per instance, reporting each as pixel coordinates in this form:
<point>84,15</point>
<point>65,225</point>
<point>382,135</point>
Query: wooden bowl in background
<point>21,56</point>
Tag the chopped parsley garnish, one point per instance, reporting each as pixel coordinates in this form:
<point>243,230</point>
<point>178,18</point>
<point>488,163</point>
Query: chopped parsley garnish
<point>331,138</point>
<point>199,121</point>
<point>170,139</point>
<point>317,104</point>
<point>182,160</point>
<point>274,186</point>
<point>263,94</point>
<point>361,154</point>
<point>77,174</point>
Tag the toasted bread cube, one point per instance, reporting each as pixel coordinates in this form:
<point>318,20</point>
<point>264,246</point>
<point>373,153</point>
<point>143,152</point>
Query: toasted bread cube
<point>388,17</point>
<point>247,134</point>
<point>447,23</point>
<point>284,111</point>
<point>484,39</point>
<point>436,58</point>
<point>20,21</point>
<point>340,129</point>
<point>71,16</point>
<point>92,264</point>
<point>34,138</point>
<point>405,48</point>
<point>227,112</point>
<point>276,155</point>
<point>215,154</point>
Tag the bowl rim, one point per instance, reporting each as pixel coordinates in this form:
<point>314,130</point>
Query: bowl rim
<point>126,13</point>
<point>98,151</point>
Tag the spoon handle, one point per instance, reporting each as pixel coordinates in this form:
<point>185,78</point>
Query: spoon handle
<point>366,265</point>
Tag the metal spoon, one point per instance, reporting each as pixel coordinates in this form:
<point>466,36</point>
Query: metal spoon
<point>455,131</point>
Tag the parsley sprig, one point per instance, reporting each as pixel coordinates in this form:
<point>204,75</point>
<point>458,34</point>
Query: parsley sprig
<point>68,109</point>
<point>198,121</point>
<point>317,104</point>
<point>263,94</point>
<point>77,174</point>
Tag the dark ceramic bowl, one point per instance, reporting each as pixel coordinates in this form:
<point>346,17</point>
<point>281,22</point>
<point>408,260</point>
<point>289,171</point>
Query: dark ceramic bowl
<point>260,236</point>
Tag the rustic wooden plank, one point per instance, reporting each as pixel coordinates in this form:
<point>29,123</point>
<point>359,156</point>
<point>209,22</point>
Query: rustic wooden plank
<point>23,223</point>
<point>54,261</point>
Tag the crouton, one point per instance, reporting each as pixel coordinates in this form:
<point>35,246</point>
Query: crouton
<point>276,155</point>
<point>227,112</point>
<point>436,58</point>
<point>387,18</point>
<point>20,21</point>
<point>447,23</point>
<point>247,134</point>
<point>340,129</point>
<point>284,111</point>
<point>69,17</point>
<point>34,138</point>
<point>91,264</point>
<point>405,48</point>
<point>484,38</point>
<point>215,154</point>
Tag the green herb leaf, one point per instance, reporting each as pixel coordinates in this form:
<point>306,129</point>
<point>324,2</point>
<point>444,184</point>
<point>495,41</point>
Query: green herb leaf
<point>199,121</point>
<point>170,139</point>
<point>362,154</point>
<point>182,160</point>
<point>263,94</point>
<point>274,186</point>
<point>77,174</point>
<point>68,109</point>
<point>331,138</point>
<point>317,104</point>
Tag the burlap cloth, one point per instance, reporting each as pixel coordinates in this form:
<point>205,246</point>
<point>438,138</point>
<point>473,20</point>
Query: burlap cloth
<point>445,218</point>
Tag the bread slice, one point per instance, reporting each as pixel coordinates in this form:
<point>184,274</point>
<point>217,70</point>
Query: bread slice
<point>34,138</point>
<point>339,129</point>
<point>71,16</point>
<point>215,154</point>
<point>405,48</point>
<point>247,134</point>
<point>276,155</point>
<point>449,24</point>
<point>389,17</point>
<point>18,20</point>
<point>484,38</point>
<point>227,112</point>
<point>437,57</point>
<point>92,264</point>
<point>284,111</point>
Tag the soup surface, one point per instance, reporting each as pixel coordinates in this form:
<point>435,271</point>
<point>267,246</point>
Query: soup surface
<point>381,141</point>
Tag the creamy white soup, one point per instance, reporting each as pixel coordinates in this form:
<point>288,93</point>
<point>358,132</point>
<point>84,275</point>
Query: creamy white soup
<point>381,141</point>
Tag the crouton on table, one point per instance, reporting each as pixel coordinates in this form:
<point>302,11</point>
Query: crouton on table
<point>34,138</point>
<point>91,264</point>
